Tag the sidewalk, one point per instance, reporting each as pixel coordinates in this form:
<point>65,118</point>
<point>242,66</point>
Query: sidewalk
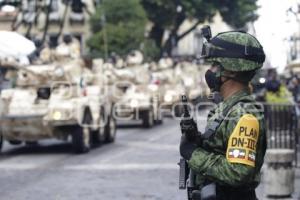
<point>296,195</point>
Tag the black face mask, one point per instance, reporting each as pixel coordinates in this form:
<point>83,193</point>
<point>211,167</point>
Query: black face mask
<point>213,82</point>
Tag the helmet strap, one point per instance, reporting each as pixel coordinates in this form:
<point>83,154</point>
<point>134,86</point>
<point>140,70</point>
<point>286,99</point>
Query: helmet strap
<point>231,50</point>
<point>219,74</point>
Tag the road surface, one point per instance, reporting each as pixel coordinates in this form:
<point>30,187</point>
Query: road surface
<point>140,165</point>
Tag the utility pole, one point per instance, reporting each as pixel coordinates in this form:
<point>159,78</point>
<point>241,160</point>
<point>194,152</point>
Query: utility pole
<point>103,21</point>
<point>296,38</point>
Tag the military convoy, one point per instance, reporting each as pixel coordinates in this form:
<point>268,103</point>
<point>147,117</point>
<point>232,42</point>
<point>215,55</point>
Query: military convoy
<point>58,100</point>
<point>193,80</point>
<point>177,79</point>
<point>64,95</point>
<point>137,98</point>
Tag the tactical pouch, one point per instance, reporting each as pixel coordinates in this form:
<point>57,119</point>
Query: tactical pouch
<point>206,193</point>
<point>209,192</point>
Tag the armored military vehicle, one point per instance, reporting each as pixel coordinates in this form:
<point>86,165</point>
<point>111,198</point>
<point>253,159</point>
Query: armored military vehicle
<point>140,102</point>
<point>193,80</point>
<point>163,74</point>
<point>137,98</point>
<point>59,100</point>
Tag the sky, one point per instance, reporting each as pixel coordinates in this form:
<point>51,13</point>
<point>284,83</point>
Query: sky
<point>274,26</point>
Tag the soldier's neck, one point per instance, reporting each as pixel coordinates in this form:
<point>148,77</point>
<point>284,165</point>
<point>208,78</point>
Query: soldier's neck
<point>230,88</point>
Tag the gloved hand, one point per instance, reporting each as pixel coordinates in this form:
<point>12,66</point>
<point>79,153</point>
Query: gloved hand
<point>189,128</point>
<point>186,148</point>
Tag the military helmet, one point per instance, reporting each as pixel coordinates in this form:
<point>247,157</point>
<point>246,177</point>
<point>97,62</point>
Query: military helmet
<point>235,51</point>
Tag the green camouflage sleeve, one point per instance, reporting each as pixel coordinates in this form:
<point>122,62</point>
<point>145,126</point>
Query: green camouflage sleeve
<point>218,167</point>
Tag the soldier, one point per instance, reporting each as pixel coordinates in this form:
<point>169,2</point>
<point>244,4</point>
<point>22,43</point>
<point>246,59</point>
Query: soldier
<point>276,90</point>
<point>231,151</point>
<point>69,48</point>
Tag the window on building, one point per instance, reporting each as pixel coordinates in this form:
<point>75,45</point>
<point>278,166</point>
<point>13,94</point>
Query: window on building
<point>29,8</point>
<point>77,6</point>
<point>54,13</point>
<point>77,14</point>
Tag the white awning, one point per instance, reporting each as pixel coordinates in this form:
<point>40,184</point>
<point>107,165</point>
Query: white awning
<point>15,45</point>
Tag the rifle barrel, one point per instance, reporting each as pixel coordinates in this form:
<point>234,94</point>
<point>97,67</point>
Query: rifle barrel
<point>185,107</point>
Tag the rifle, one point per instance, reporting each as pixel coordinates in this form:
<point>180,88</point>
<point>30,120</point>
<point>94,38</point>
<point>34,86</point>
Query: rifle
<point>189,129</point>
<point>186,175</point>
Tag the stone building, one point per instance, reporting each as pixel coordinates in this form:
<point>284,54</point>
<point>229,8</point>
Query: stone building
<point>31,18</point>
<point>190,44</point>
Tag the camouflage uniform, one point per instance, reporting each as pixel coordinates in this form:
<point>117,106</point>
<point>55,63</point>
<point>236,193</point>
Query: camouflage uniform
<point>211,161</point>
<point>233,156</point>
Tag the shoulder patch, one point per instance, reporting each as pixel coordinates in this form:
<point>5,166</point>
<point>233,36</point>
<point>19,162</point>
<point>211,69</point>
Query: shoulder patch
<point>241,147</point>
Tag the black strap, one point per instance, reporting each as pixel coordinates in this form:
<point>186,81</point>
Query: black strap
<point>232,50</point>
<point>236,47</point>
<point>212,128</point>
<point>227,54</point>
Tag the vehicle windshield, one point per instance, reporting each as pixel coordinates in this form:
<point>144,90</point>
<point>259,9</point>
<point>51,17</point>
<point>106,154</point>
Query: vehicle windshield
<point>62,90</point>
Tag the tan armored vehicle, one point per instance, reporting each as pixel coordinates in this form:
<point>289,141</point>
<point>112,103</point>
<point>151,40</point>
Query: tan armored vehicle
<point>137,98</point>
<point>163,74</point>
<point>8,73</point>
<point>193,80</point>
<point>177,79</point>
<point>60,100</point>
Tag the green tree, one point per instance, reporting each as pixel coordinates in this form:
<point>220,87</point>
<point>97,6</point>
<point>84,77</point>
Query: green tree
<point>170,14</point>
<point>117,26</point>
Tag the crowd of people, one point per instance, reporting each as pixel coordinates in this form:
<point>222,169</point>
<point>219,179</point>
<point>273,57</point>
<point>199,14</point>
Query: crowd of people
<point>276,88</point>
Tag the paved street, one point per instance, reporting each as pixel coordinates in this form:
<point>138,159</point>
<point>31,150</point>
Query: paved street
<point>140,165</point>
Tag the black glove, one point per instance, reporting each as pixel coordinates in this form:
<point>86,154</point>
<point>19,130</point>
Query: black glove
<point>189,128</point>
<point>186,148</point>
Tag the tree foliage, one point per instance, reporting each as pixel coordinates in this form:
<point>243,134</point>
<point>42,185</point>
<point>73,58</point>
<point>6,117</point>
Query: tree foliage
<point>121,23</point>
<point>170,14</point>
<point>118,25</point>
<point>238,13</point>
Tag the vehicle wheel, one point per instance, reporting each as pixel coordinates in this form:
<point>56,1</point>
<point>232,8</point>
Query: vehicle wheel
<point>15,142</point>
<point>98,136</point>
<point>1,142</point>
<point>82,137</point>
<point>110,130</point>
<point>159,119</point>
<point>31,143</point>
<point>148,118</point>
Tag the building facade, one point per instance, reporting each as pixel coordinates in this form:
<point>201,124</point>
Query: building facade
<point>191,44</point>
<point>53,18</point>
